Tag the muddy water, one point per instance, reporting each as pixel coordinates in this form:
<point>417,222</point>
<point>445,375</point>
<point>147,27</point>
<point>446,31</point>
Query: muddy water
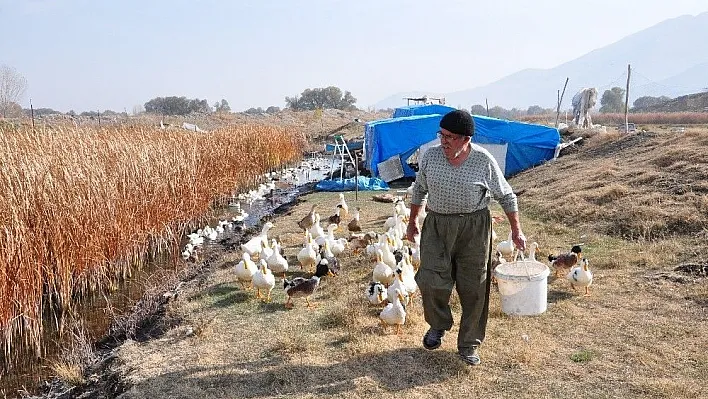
<point>97,311</point>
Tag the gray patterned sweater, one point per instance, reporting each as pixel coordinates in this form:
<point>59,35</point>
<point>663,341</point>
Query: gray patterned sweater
<point>461,189</point>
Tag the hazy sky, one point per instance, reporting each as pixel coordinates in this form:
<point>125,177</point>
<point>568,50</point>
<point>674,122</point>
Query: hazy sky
<point>114,54</point>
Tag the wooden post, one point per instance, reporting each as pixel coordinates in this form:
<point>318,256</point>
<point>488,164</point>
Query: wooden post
<point>626,101</point>
<point>99,118</point>
<point>560,100</point>
<point>356,182</point>
<point>487,102</point>
<point>32,114</point>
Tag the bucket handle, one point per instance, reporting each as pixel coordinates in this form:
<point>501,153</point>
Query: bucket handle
<point>523,260</point>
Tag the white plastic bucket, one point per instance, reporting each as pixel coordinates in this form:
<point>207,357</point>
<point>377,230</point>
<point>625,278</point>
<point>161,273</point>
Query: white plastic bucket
<point>523,286</point>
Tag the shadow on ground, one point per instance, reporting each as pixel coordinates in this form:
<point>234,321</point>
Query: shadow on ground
<point>395,370</point>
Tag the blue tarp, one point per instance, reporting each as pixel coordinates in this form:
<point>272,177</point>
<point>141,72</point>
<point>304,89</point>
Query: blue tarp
<point>429,109</point>
<point>527,144</point>
<point>365,184</point>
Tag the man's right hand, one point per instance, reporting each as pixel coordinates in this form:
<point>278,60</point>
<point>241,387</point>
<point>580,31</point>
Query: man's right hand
<point>413,232</point>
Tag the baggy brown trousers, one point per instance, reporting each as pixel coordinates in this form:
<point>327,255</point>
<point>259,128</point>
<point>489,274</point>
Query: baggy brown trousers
<point>455,250</point>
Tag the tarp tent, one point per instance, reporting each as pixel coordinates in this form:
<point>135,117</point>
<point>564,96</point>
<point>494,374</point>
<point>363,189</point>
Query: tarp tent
<point>515,145</point>
<point>427,109</point>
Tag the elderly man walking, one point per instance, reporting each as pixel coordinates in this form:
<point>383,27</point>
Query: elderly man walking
<point>457,180</point>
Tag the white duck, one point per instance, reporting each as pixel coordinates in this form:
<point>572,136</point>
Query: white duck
<point>245,269</point>
<point>581,276</point>
<point>394,313</point>
<point>383,273</point>
<point>276,262</point>
<point>254,246</point>
<point>263,279</point>
<point>316,230</point>
<point>327,237</point>
<point>397,286</point>
<point>307,255</point>
<point>344,207</point>
<point>506,248</point>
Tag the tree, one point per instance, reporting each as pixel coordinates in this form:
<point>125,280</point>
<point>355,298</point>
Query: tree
<point>649,101</point>
<point>222,106</point>
<point>612,100</point>
<point>254,111</point>
<point>321,98</point>
<point>272,109</point>
<point>478,109</point>
<point>12,88</point>
<point>535,110</point>
<point>176,106</point>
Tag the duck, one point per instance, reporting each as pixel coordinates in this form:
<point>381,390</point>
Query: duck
<point>316,230</point>
<point>332,262</point>
<point>394,313</point>
<point>339,245</point>
<point>307,255</point>
<point>263,279</point>
<point>354,226</point>
<point>277,262</point>
<point>376,293</point>
<point>336,218</point>
<point>397,286</point>
<point>567,260</point>
<point>245,269</point>
<point>343,206</point>
<point>308,220</point>
<point>300,287</point>
<point>533,247</point>
<point>254,246</point>
<point>507,247</point>
<point>383,273</point>
<point>581,276</point>
<point>328,237</point>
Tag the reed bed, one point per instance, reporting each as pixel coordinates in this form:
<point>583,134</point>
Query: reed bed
<point>82,206</point>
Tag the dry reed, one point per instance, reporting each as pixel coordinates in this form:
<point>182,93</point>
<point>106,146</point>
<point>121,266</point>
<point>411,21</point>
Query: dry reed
<point>82,206</point>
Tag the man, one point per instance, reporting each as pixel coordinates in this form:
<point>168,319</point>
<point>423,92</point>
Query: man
<point>458,179</point>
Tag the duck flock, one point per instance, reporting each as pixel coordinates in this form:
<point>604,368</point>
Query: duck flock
<point>394,259</point>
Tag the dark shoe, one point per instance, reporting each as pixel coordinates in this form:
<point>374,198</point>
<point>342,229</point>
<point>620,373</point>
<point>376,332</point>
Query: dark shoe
<point>470,357</point>
<point>433,339</point>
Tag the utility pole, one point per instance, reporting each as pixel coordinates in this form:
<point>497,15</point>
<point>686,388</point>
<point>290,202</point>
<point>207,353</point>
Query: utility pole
<point>487,102</point>
<point>626,101</point>
<point>560,100</point>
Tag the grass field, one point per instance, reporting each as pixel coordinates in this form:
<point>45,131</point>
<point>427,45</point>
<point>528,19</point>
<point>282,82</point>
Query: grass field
<point>640,334</point>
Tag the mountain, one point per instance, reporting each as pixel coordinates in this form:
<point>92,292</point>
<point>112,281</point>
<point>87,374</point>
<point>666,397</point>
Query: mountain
<point>666,60</point>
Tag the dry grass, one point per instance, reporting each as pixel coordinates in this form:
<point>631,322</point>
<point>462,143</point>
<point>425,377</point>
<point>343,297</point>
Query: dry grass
<point>643,118</point>
<point>81,207</point>
<point>634,337</point>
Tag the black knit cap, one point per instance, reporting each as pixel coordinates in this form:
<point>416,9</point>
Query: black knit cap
<point>459,122</point>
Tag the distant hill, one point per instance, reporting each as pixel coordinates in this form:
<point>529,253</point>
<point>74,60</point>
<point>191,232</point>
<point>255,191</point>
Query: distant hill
<point>667,59</point>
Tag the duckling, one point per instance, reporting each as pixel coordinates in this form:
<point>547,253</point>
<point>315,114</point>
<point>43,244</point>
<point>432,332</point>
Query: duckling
<point>300,287</point>
<point>567,260</point>
<point>394,313</point>
<point>308,220</point>
<point>354,226</point>
<point>245,269</point>
<point>343,206</point>
<point>336,218</point>
<point>581,276</point>
<point>375,293</point>
<point>263,279</point>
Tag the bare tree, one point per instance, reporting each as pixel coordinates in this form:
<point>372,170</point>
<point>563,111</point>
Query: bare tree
<point>12,88</point>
